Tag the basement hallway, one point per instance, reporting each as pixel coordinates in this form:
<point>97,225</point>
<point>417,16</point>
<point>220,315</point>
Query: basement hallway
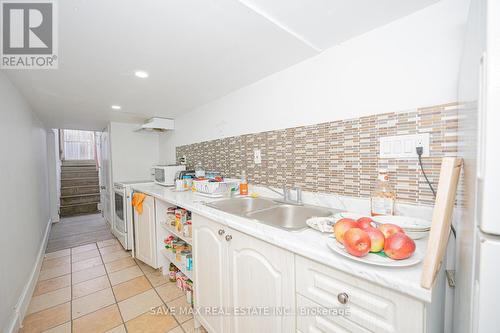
<point>78,230</point>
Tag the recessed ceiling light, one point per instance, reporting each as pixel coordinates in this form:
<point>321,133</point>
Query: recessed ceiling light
<point>141,74</point>
<point>116,107</point>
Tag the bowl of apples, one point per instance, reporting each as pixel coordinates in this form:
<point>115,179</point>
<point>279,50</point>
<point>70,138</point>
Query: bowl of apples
<point>376,244</point>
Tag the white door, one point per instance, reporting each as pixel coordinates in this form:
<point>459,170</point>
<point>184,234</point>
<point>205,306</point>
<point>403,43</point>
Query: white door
<point>145,233</point>
<point>105,178</point>
<point>210,273</point>
<point>261,276</point>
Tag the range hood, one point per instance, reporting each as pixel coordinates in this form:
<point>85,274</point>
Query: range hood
<point>158,124</point>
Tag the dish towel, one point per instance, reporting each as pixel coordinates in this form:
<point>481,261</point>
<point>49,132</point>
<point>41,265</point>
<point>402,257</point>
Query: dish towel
<point>137,200</point>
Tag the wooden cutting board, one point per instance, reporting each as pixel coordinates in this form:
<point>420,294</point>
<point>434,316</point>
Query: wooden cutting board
<point>441,219</point>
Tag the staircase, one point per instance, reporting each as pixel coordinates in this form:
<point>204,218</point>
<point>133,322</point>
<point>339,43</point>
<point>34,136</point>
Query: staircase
<point>79,188</point>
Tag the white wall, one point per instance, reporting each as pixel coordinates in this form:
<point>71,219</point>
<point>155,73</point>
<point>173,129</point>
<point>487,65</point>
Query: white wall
<point>24,203</point>
<point>409,63</point>
<point>133,153</point>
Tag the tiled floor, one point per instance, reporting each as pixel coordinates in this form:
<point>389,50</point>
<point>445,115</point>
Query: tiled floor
<point>98,287</point>
<point>78,230</point>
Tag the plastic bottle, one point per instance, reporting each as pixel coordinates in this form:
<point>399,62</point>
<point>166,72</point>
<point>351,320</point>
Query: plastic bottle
<point>243,184</point>
<point>199,172</point>
<point>383,196</point>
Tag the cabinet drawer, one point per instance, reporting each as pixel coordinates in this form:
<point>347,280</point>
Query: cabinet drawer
<point>371,308</point>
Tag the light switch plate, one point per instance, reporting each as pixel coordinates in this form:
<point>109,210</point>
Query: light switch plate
<point>404,146</point>
<point>257,157</point>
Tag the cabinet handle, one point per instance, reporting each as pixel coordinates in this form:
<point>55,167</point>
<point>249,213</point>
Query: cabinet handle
<point>343,298</point>
<point>229,237</point>
<point>221,232</point>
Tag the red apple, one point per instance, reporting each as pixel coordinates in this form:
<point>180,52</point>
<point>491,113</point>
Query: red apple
<point>399,246</point>
<point>389,229</point>
<point>342,226</point>
<point>357,242</point>
<point>365,222</point>
<point>377,239</point>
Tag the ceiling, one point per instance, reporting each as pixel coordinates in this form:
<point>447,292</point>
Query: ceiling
<point>194,51</point>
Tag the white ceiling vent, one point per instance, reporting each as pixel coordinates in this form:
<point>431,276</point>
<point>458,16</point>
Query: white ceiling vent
<point>158,124</point>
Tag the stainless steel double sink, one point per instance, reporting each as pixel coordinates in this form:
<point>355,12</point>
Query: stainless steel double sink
<point>268,211</point>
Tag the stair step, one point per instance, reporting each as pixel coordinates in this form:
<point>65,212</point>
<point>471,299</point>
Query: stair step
<point>78,163</point>
<point>79,209</point>
<point>70,182</point>
<point>79,174</point>
<point>78,168</point>
<point>80,199</point>
<point>76,190</point>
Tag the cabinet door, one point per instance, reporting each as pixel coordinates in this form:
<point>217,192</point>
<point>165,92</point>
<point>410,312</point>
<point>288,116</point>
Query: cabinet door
<point>209,268</point>
<point>145,233</point>
<point>261,278</point>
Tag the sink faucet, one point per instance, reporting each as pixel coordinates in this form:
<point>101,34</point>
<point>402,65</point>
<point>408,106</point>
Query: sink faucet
<point>286,195</point>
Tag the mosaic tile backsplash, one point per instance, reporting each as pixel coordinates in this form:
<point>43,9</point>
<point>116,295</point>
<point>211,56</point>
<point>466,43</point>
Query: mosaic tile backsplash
<point>339,157</point>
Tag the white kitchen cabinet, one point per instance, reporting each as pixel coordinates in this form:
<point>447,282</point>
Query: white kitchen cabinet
<point>238,272</point>
<point>145,233</point>
<point>209,268</point>
<point>260,276</point>
<point>370,308</point>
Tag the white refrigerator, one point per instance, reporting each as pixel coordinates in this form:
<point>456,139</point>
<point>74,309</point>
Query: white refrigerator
<point>477,292</point>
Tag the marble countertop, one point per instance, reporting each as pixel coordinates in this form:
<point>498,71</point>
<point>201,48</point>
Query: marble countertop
<point>307,243</point>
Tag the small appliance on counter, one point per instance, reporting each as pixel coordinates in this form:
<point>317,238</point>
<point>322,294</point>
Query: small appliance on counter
<point>165,175</point>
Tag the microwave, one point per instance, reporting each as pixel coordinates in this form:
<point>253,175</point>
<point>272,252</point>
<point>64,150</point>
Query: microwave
<point>165,174</point>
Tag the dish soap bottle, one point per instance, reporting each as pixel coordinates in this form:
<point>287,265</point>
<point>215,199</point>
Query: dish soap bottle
<point>243,184</point>
<point>383,197</point>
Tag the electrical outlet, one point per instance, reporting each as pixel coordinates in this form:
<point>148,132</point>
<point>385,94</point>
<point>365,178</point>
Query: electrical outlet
<point>404,146</point>
<point>257,158</point>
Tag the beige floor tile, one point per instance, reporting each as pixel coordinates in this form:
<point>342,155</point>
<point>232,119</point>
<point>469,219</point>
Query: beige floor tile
<point>180,309</point>
<point>64,328</point>
<point>49,318</point>
<point>83,248</point>
<point>85,255</point>
<point>178,329</point>
<point>90,303</point>
<point>188,327</point>
<point>119,264</point>
<point>46,286</point>
<point>118,329</point>
<point>88,274</point>
<point>99,321</point>
<point>50,299</point>
<point>145,267</point>
<point>57,254</point>
<point>156,278</point>
<point>109,257</point>
<point>108,242</point>
<point>125,275</point>
<point>90,286</point>
<point>131,288</point>
<point>111,249</point>
<point>86,264</point>
<point>139,304</point>
<point>169,291</point>
<point>56,262</point>
<point>151,323</point>
<point>54,272</point>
